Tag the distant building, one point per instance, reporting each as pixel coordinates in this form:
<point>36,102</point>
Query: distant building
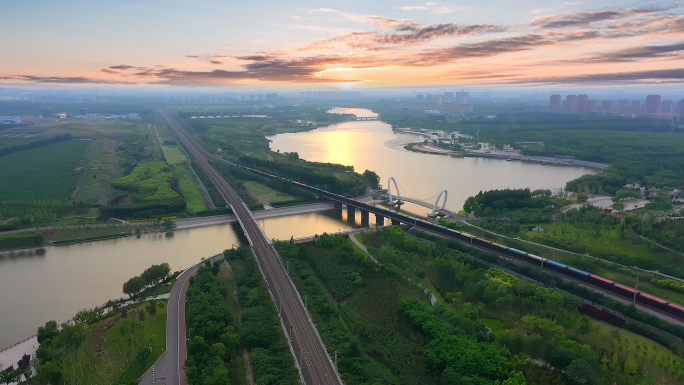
<point>555,103</point>
<point>607,105</point>
<point>623,105</point>
<point>582,103</point>
<point>272,96</point>
<point>570,104</point>
<point>420,97</point>
<point>591,105</point>
<point>666,107</point>
<point>653,104</point>
<point>460,98</point>
<point>681,109</point>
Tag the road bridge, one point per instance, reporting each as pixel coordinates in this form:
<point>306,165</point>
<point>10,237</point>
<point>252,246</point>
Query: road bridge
<point>312,359</point>
<point>364,118</point>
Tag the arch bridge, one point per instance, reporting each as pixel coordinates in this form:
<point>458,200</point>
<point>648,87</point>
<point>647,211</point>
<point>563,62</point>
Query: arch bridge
<point>398,200</point>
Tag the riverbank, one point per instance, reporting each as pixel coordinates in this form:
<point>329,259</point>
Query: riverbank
<point>545,160</point>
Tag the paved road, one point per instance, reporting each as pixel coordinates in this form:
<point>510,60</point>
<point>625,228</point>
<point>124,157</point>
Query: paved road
<point>310,354</point>
<point>169,368</point>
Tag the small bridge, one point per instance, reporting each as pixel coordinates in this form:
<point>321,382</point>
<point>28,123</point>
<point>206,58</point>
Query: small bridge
<point>399,200</point>
<point>364,118</point>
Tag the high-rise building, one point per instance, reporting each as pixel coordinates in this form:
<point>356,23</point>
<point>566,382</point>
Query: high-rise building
<point>555,103</point>
<point>460,98</point>
<point>591,105</point>
<point>570,104</point>
<point>666,107</point>
<point>681,109</point>
<point>623,105</point>
<point>582,103</point>
<point>420,97</point>
<point>607,105</point>
<point>653,104</point>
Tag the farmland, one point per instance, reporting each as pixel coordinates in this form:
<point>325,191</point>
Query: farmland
<point>52,172</point>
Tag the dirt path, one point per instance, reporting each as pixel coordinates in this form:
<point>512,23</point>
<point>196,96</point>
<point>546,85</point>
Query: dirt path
<point>249,368</point>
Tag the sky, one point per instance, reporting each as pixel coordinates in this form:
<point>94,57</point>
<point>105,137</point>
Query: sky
<point>350,44</point>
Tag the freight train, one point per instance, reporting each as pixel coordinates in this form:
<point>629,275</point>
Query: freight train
<point>552,265</point>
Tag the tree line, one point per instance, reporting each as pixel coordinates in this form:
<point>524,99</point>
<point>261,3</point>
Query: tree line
<point>35,144</point>
<point>151,277</point>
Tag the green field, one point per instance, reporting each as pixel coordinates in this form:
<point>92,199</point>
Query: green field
<point>174,155</point>
<point>189,188</point>
<point>42,173</point>
<point>238,375</point>
<point>82,129</point>
<point>115,346</point>
<point>262,193</point>
<point>100,167</point>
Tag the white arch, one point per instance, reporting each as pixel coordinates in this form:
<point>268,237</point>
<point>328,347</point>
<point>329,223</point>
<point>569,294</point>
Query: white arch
<point>446,194</point>
<point>389,189</point>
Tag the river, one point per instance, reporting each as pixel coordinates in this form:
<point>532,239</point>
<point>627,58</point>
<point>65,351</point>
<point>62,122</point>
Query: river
<point>363,144</point>
<point>61,280</point>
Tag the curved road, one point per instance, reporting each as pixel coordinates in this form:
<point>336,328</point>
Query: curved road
<point>310,354</point>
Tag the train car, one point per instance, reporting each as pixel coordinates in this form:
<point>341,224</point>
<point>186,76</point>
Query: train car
<point>600,281</point>
<point>577,273</point>
<point>487,242</point>
<point>653,301</point>
<point>534,258</point>
<point>624,290</point>
<point>676,309</point>
<point>556,266</point>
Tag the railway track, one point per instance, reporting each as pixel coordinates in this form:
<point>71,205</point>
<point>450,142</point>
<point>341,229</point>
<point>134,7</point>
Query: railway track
<point>314,363</point>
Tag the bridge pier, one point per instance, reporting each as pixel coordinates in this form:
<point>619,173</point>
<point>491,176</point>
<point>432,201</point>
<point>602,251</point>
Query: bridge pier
<point>379,220</point>
<point>364,217</point>
<point>351,213</point>
<point>338,204</point>
<point>395,222</point>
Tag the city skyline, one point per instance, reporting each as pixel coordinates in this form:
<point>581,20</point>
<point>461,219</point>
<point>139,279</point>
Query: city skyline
<point>344,46</point>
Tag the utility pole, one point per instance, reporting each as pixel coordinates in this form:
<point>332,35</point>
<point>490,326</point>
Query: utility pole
<point>542,264</point>
<point>306,302</point>
<point>335,360</point>
<point>288,267</point>
<point>635,290</point>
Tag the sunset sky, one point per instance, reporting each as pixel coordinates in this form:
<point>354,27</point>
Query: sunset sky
<point>346,44</point>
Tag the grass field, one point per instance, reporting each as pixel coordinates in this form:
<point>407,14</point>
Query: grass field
<point>604,268</point>
<point>262,193</point>
<point>88,232</point>
<point>238,375</point>
<point>628,250</point>
<point>115,346</point>
<point>83,129</point>
<point>100,167</point>
<point>41,173</point>
<point>189,187</point>
<point>623,275</point>
<point>174,155</point>
<point>647,355</point>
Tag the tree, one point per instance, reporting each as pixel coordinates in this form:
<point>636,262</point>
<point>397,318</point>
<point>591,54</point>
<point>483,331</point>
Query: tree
<point>169,224</point>
<point>133,286</point>
<point>581,371</point>
<point>618,206</point>
<point>141,315</point>
<point>152,308</point>
<point>515,378</point>
<point>371,177</point>
<point>582,197</point>
<point>86,316</point>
